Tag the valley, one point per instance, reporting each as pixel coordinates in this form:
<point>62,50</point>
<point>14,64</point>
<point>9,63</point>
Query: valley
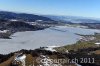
<point>26,37</point>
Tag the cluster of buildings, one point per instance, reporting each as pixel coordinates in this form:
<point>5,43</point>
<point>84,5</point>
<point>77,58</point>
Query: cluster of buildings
<point>87,38</point>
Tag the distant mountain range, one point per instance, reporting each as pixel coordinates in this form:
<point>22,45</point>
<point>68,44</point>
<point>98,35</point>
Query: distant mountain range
<point>22,16</point>
<point>73,19</point>
<point>33,17</point>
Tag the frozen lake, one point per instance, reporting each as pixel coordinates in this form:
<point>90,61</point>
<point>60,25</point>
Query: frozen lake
<point>54,36</point>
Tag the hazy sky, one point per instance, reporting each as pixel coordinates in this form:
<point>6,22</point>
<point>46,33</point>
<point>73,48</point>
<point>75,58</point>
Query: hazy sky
<point>87,8</point>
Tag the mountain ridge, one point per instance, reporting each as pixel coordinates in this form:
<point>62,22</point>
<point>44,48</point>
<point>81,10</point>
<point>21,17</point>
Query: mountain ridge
<point>22,16</point>
<point>73,19</point>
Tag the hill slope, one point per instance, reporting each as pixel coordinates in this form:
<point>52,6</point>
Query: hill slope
<point>22,16</point>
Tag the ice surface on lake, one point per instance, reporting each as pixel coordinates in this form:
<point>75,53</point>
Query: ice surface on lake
<point>54,36</point>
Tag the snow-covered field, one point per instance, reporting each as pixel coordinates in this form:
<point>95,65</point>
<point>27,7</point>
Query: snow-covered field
<point>54,36</point>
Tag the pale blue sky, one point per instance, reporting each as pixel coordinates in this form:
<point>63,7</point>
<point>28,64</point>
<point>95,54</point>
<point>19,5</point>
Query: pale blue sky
<point>86,8</point>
